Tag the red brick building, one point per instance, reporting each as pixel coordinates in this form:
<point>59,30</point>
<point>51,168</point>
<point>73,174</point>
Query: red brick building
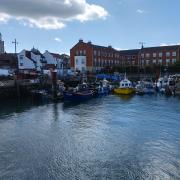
<point>163,55</point>
<point>90,57</point>
<point>8,61</point>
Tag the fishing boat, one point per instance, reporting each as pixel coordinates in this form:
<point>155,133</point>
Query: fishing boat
<point>125,87</point>
<point>165,85</point>
<point>148,86</point>
<point>104,88</point>
<point>80,93</point>
<point>140,88</point>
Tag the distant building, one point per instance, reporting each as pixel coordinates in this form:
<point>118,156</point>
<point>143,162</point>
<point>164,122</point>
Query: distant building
<point>8,61</point>
<point>65,61</point>
<point>90,57</point>
<point>161,55</point>
<point>1,44</point>
<point>31,60</point>
<point>52,59</point>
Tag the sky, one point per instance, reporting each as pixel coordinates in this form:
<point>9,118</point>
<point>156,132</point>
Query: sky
<point>57,25</point>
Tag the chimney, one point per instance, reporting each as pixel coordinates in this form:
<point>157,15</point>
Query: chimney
<point>81,40</point>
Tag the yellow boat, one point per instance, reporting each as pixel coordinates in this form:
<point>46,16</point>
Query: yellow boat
<point>125,87</point>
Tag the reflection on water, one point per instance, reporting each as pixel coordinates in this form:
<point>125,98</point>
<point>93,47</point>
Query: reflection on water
<point>105,138</point>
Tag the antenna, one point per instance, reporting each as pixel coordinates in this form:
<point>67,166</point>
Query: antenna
<point>142,44</point>
<point>15,45</point>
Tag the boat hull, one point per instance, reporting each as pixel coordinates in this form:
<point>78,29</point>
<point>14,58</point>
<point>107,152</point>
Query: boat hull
<point>149,91</point>
<point>124,91</point>
<point>78,96</point>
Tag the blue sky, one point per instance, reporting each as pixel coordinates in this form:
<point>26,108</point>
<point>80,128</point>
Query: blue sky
<point>120,23</point>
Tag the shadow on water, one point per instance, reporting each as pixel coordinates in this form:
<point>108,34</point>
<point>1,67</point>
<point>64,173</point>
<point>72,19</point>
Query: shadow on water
<point>69,104</point>
<point>11,106</point>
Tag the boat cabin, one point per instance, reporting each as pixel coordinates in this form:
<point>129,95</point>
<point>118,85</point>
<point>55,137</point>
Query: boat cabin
<point>125,83</point>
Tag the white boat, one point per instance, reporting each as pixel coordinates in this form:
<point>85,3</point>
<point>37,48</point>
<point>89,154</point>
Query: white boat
<point>165,85</point>
<point>125,87</point>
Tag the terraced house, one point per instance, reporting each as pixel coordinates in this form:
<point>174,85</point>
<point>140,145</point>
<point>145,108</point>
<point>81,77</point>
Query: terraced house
<point>89,57</point>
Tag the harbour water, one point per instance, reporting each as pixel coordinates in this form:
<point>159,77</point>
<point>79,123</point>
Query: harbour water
<point>112,137</point>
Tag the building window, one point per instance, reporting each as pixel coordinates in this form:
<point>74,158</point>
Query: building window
<point>94,62</point>
<point>21,64</point>
<point>168,54</point>
<point>84,52</point>
<point>160,61</point>
<point>154,61</point>
<point>142,61</point>
<point>21,57</point>
<point>147,62</point>
<point>99,53</point>
<point>77,52</point>
<point>95,52</point>
<point>174,53</point>
<point>142,55</point>
<point>167,61</point>
<point>147,55</point>
<point>173,61</point>
<point>160,54</point>
<point>82,61</point>
<point>76,61</point>
<point>154,55</point>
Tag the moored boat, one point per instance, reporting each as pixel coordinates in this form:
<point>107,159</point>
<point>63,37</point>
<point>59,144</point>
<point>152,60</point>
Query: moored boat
<point>125,87</point>
<point>104,88</point>
<point>81,93</point>
<point>177,88</point>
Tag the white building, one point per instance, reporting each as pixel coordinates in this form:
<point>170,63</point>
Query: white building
<point>1,45</point>
<point>80,63</point>
<point>53,59</point>
<point>30,60</point>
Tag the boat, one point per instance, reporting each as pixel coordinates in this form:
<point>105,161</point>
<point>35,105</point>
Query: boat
<point>145,87</point>
<point>177,88</point>
<point>42,95</point>
<point>104,88</point>
<point>80,93</point>
<point>125,87</point>
<point>140,88</point>
<point>148,86</point>
<point>166,85</point>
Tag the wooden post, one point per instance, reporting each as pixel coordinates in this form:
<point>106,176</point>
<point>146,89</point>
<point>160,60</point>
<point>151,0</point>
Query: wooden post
<point>17,87</point>
<point>54,84</point>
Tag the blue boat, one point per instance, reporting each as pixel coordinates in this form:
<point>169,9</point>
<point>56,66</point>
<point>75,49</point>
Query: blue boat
<point>79,94</point>
<point>104,88</point>
<point>145,87</point>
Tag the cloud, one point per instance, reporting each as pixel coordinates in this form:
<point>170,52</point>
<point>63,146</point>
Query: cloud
<point>49,14</point>
<point>120,49</point>
<point>171,44</point>
<point>58,39</point>
<point>141,11</point>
